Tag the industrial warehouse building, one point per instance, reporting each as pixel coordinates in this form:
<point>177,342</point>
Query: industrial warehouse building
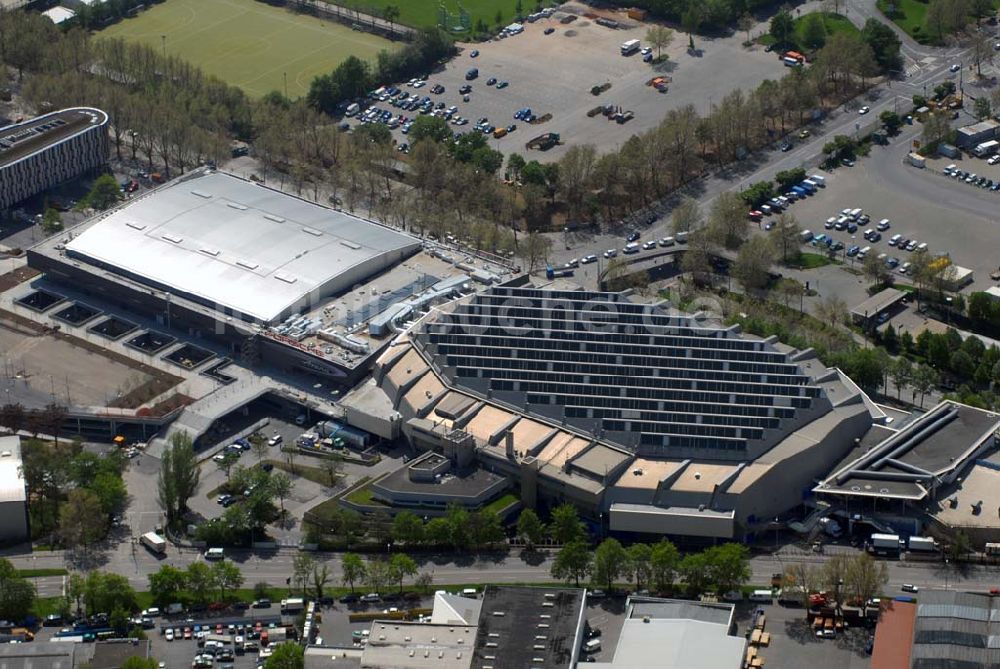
<point>660,424</point>
<point>50,150</point>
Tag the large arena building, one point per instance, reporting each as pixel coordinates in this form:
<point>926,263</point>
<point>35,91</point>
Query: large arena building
<point>658,422</point>
<point>242,249</point>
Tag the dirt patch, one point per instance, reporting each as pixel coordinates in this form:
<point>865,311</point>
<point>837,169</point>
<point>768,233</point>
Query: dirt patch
<point>160,409</point>
<point>158,383</point>
<point>17,277</point>
<point>541,119</point>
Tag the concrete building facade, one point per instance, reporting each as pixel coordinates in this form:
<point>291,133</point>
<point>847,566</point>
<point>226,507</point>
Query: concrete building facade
<point>50,150</point>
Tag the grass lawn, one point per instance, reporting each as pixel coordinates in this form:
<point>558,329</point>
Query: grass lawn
<point>909,15</point>
<point>501,503</point>
<point>422,13</point>
<point>314,474</point>
<point>249,44</point>
<point>812,261</point>
<point>834,23</point>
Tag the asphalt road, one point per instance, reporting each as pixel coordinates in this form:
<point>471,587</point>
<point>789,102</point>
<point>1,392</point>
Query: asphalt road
<point>276,566</point>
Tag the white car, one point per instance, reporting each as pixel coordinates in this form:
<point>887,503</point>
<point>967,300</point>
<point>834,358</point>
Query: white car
<point>611,253</point>
<point>955,68</point>
<point>993,160</point>
<point>646,50</point>
<point>586,260</point>
<point>169,634</point>
<point>864,110</point>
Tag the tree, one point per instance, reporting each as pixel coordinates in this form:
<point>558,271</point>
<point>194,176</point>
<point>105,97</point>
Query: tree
<point>782,27</point>
<point>937,127</point>
<point>664,559</point>
<point>281,486</point>
<point>832,309</point>
<point>104,193</point>
<point>727,222</point>
<point>352,569</point>
<point>610,562</point>
<point>390,13</point>
<point>659,37</point>
<point>640,563</point>
<point>81,519</point>
<point>227,577</point>
<point>694,569</point>
<point>530,528</point>
<point>302,568</point>
<point>686,216</point>
<point>746,24</point>
<point>51,221</point>
<point>437,531</point>
<point>901,372</point>
<point>865,577</point>
<point>753,263</point>
<point>110,491</point>
<point>924,379</point>
<point>786,237</point>
<point>533,248</point>
<point>258,443</point>
<point>805,578</point>
<point>402,566</point>
<point>813,31</point>
<point>981,51</point>
<point>286,656</point>
<point>407,528</point>
<point>320,577</point>
<point>199,580</point>
<point>166,583</point>
<point>332,465</point>
<point>565,525</point>
<point>891,121</point>
<point>104,592</point>
<point>875,270</point>
<point>982,108</point>
<point>691,21</point>
<point>572,562</point>
<point>433,128</point>
<point>226,462</point>
<point>728,566</point>
<point>17,594</point>
<point>884,43</point>
<point>178,477</point>
<point>377,574</point>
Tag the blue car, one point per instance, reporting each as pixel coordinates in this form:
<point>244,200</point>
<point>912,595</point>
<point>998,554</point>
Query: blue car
<point>853,251</point>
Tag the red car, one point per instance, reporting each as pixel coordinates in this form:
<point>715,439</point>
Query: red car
<point>133,186</point>
<point>756,215</point>
<point>187,632</point>
<point>218,629</point>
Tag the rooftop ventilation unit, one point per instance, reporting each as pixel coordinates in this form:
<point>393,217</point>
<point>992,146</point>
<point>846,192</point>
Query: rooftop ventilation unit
<point>272,217</point>
<point>201,193</point>
<point>349,244</point>
<point>312,231</point>
<point>236,205</point>
<point>135,226</point>
<point>173,238</point>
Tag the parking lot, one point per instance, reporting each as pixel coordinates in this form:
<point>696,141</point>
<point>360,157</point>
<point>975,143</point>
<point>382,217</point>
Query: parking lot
<point>554,74</point>
<point>921,205</point>
<point>794,644</point>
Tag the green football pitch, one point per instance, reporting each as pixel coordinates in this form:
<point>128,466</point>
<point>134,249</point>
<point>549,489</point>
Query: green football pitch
<point>247,43</point>
<point>423,13</point>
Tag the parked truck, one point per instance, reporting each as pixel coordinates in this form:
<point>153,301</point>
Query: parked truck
<point>886,544</point>
<point>544,142</point>
<point>154,542</point>
<point>292,605</point>
<point>987,148</point>
<point>922,544</point>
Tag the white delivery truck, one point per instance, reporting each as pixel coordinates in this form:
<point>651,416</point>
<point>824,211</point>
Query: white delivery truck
<point>154,542</point>
<point>987,148</point>
<point>630,47</point>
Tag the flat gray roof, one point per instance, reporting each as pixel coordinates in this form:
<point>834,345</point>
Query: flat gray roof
<point>239,246</point>
<point>908,463</point>
<point>877,302</point>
